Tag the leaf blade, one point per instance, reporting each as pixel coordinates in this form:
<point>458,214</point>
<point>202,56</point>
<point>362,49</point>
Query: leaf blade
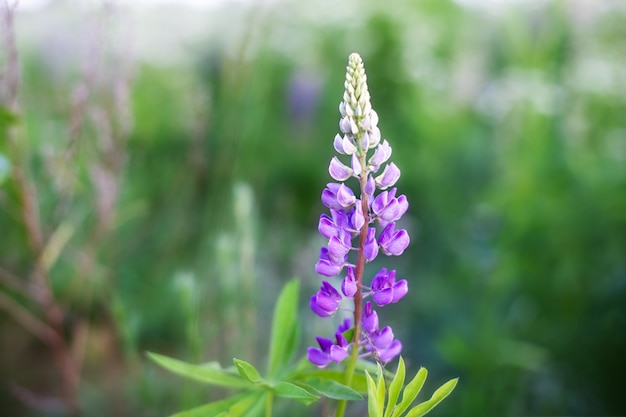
<point>213,375</point>
<point>284,329</point>
<point>395,387</point>
<point>439,395</point>
<point>410,392</point>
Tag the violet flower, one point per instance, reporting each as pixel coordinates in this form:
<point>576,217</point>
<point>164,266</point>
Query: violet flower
<point>361,224</point>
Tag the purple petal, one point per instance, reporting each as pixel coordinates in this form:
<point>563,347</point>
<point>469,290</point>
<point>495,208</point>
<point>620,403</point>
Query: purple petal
<point>389,176</point>
<point>339,171</point>
<point>384,338</point>
<point>391,352</point>
<point>365,140</point>
<point>400,289</point>
<point>324,343</point>
<point>398,243</point>
<point>317,309</point>
<point>348,146</point>
<point>356,165</point>
<point>317,357</point>
<point>345,325</point>
<point>381,155</point>
<point>370,249</point>
<point>380,280</point>
<point>345,196</point>
<point>383,297</point>
<point>338,353</point>
<point>326,268</point>
<point>344,125</point>
<point>357,220</point>
<point>338,144</point>
<point>329,199</point>
<point>391,212</point>
<point>374,137</point>
<point>370,319</point>
<point>337,251</point>
<point>348,286</point>
<point>380,202</point>
<point>404,205</point>
<point>370,186</point>
<point>326,227</point>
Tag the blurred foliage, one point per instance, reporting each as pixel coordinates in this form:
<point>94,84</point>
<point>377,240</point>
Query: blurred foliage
<point>508,125</point>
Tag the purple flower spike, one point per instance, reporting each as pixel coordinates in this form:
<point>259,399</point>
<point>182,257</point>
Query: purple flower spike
<point>339,171</point>
<point>388,178</point>
<point>393,242</point>
<point>358,215</point>
<point>348,286</point>
<point>385,289</point>
<point>326,302</point>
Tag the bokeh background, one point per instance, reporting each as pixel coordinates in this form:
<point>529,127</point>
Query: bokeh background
<point>161,165</point>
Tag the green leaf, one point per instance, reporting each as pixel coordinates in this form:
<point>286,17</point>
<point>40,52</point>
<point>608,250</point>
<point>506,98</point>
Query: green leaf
<point>247,371</point>
<point>359,383</point>
<point>374,408</point>
<point>216,408</point>
<point>289,390</point>
<point>207,373</point>
<point>249,407</point>
<point>410,392</point>
<point>331,389</point>
<point>395,387</point>
<point>284,329</point>
<point>380,393</point>
<point>441,393</point>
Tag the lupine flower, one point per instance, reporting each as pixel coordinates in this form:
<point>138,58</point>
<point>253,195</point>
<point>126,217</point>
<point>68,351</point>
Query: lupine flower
<point>385,289</point>
<point>356,217</point>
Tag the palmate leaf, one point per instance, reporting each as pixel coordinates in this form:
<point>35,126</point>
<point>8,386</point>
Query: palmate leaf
<point>208,373</point>
<point>284,335</point>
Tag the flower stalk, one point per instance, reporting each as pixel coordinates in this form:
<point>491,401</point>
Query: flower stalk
<point>369,217</point>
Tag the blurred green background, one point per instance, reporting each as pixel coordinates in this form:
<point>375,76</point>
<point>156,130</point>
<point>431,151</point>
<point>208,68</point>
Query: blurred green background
<point>177,156</point>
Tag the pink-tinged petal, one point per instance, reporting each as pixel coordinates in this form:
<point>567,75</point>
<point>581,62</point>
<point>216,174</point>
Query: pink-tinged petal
<point>389,176</point>
<point>338,144</point>
<point>345,196</point>
<point>383,297</point>
<point>339,171</point>
<point>391,352</point>
<point>337,353</point>
<point>317,357</point>
<point>365,139</point>
<point>384,338</point>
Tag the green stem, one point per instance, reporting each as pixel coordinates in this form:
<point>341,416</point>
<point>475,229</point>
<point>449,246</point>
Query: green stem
<point>358,298</point>
<point>268,404</point>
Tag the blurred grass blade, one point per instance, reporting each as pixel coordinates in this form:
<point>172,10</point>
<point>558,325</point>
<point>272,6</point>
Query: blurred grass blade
<point>284,329</point>
<point>209,374</point>
<point>215,408</point>
<point>441,393</point>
